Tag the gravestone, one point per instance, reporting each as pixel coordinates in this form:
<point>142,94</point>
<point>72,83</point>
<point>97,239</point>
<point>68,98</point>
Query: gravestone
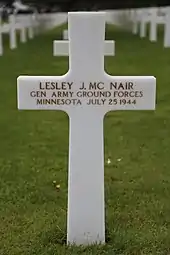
<point>86,93</point>
<point>61,48</point>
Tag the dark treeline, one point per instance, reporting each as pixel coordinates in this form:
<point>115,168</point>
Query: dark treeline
<point>66,5</point>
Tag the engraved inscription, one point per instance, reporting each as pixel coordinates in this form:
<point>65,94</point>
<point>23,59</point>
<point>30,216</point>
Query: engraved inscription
<point>90,94</point>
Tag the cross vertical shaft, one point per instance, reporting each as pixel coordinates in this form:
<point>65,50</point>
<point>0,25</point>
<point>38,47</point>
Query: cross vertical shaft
<point>86,47</point>
<point>86,156</point>
<point>86,179</point>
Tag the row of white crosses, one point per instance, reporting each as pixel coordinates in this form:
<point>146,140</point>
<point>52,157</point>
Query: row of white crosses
<point>154,17</point>
<point>86,76</point>
<point>20,23</point>
<point>28,24</point>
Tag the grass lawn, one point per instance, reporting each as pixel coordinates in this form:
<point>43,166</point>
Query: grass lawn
<point>34,153</point>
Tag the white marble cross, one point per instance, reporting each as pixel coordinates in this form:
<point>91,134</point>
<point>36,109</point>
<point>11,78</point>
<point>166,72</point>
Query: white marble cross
<point>86,93</point>
<point>61,48</point>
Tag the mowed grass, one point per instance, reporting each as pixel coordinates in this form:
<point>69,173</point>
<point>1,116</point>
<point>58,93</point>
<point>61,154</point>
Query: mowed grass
<point>34,153</point>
